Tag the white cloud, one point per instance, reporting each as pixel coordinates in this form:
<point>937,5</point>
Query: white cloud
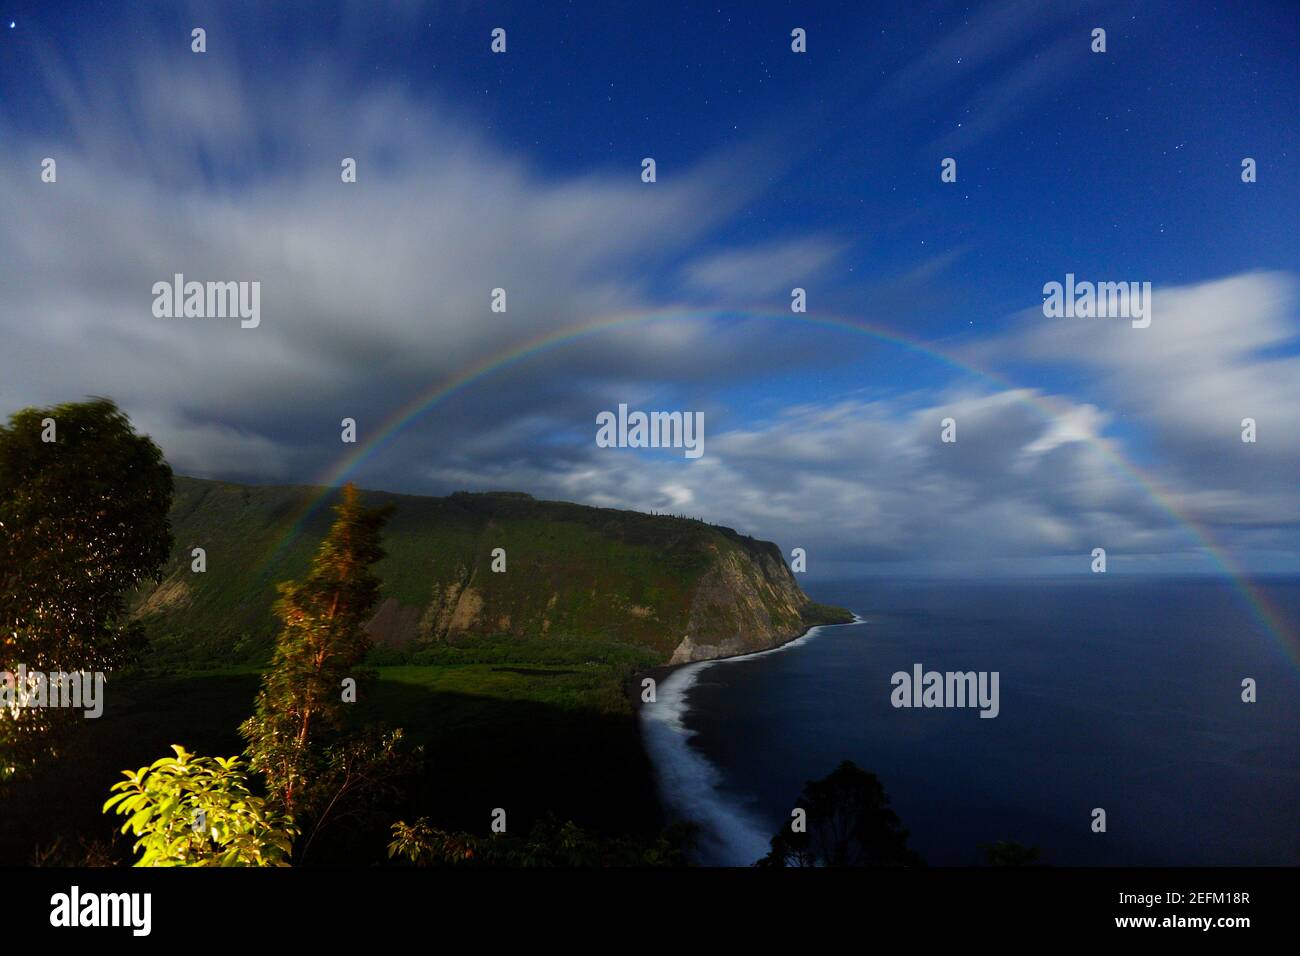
<point>374,292</point>
<point>872,480</point>
<point>1216,352</point>
<point>371,291</point>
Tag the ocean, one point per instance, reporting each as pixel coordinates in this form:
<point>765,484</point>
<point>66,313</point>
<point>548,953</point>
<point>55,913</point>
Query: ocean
<point>1118,693</point>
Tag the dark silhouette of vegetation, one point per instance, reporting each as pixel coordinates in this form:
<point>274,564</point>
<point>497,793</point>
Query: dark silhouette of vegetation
<point>548,843</point>
<point>84,503</point>
<point>90,853</point>
<point>1011,853</point>
<point>847,822</point>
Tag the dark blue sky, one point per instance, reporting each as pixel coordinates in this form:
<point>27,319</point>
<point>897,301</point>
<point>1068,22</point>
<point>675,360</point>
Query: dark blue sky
<point>1110,161</point>
<point>775,169</point>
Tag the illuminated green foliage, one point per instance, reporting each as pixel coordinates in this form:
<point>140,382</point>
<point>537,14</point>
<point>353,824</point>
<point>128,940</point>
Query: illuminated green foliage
<point>189,810</point>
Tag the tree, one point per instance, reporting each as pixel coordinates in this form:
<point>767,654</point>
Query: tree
<point>189,810</point>
<point>316,761</point>
<point>84,504</point>
<point>848,823</point>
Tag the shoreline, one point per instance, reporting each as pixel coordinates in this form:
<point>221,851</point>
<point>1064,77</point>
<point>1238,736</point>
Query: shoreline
<point>658,673</point>
<point>685,780</point>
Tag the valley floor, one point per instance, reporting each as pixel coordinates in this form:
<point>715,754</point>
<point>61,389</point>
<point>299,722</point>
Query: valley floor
<point>533,738</point>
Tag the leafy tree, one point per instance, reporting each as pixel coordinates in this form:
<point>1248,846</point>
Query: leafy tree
<point>83,521</point>
<point>549,843</point>
<point>849,823</point>
<point>189,810</point>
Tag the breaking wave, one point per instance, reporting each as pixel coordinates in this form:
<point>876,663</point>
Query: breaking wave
<point>689,785</point>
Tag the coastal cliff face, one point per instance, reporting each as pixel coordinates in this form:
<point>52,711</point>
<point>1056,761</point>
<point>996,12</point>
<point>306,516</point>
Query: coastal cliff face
<point>730,596</point>
<point>746,601</point>
<point>676,587</point>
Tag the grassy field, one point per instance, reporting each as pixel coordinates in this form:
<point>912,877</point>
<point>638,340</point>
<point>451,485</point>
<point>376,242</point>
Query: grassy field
<point>542,733</point>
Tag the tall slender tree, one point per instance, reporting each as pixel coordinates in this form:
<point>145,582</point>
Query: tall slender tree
<point>300,709</point>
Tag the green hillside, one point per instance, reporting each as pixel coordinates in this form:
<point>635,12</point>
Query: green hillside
<point>664,588</point>
<point>511,681</point>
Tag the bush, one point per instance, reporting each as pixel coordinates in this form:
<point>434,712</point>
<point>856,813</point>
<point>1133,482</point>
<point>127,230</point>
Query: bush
<point>189,810</point>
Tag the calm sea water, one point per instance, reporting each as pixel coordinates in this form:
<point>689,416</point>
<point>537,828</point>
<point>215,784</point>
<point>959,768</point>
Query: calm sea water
<point>1117,693</point>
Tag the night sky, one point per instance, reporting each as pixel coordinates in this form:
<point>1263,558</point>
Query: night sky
<point>775,169</point>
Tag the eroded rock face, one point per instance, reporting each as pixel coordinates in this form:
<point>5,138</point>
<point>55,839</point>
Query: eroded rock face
<point>453,609</point>
<point>466,614</point>
<point>173,594</point>
<point>688,650</point>
<point>747,601</point>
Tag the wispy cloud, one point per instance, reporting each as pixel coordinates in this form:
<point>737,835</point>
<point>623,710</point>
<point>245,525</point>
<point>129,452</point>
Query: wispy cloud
<point>379,291</point>
<point>163,168</point>
<point>746,274</point>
